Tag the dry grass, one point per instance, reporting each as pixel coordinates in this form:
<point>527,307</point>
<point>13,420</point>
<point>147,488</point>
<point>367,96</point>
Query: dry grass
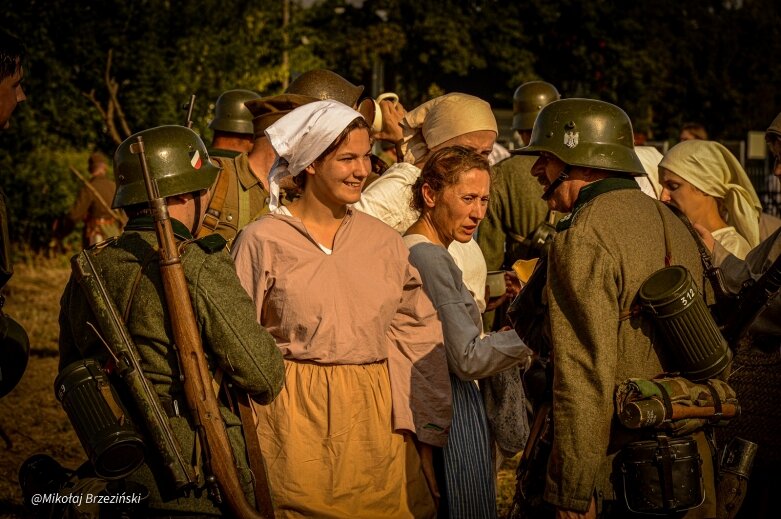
<point>31,419</point>
<point>505,486</point>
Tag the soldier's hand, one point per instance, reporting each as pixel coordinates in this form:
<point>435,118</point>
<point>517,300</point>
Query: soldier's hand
<point>392,114</point>
<point>569,514</point>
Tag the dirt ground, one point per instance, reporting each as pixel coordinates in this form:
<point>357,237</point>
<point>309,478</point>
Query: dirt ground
<point>31,419</point>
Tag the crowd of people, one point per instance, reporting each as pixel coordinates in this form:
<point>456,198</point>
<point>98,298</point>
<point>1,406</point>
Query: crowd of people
<point>341,305</point>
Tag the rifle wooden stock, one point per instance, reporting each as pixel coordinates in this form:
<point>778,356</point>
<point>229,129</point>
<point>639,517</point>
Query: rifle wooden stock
<point>218,456</point>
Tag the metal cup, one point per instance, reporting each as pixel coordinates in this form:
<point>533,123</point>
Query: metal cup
<point>370,109</point>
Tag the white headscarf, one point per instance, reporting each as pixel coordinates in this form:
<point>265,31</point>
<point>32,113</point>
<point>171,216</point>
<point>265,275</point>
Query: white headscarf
<point>649,158</point>
<point>441,119</point>
<point>714,170</point>
<point>301,136</point>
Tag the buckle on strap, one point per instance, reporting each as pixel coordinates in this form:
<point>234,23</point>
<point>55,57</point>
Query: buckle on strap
<point>211,221</point>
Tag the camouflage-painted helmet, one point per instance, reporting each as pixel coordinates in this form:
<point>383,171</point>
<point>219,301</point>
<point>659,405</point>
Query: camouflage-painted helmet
<point>176,158</point>
<point>528,100</point>
<point>14,353</point>
<point>323,84</point>
<point>587,133</point>
<point>230,114</point>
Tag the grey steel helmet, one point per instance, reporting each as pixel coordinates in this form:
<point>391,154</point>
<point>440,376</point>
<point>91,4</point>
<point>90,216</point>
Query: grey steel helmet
<point>528,100</point>
<point>14,353</point>
<point>323,84</point>
<point>230,114</point>
<point>587,133</point>
<point>775,127</point>
<point>176,158</point>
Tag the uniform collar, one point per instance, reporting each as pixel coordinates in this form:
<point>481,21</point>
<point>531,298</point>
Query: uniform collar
<point>147,223</point>
<point>219,152</point>
<point>591,191</point>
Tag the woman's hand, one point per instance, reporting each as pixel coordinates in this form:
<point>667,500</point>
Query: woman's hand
<point>426,453</point>
<point>392,113</point>
<point>495,302</point>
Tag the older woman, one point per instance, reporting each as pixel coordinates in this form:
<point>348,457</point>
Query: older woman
<point>451,195</point>
<point>707,183</point>
<point>361,342</point>
<point>448,120</point>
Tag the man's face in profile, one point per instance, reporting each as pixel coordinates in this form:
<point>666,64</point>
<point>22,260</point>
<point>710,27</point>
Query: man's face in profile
<point>11,94</point>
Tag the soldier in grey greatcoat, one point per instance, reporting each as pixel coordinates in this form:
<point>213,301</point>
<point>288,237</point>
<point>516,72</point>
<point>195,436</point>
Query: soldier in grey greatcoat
<point>612,240</point>
<point>234,342</point>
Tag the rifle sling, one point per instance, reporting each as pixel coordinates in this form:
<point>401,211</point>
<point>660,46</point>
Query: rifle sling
<point>244,205</point>
<point>668,252</point>
<point>257,463</point>
<point>711,272</point>
<point>213,214</point>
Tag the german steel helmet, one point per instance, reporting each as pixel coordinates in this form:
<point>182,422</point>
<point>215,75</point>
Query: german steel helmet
<point>775,126</point>
<point>176,158</point>
<point>14,353</point>
<point>587,133</point>
<point>323,84</point>
<point>230,114</point>
<point>528,100</point>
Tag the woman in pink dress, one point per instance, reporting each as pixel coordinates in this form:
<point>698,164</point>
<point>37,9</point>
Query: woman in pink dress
<point>366,374</point>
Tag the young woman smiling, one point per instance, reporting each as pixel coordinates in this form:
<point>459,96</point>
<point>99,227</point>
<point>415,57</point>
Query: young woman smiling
<point>361,341</point>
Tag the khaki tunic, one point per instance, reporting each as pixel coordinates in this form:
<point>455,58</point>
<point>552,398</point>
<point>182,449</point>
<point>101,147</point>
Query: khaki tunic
<point>99,222</point>
<point>514,210</point>
<point>601,255</point>
<point>233,340</point>
<point>245,200</point>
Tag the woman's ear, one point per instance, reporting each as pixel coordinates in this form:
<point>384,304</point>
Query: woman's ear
<point>310,169</point>
<point>429,196</point>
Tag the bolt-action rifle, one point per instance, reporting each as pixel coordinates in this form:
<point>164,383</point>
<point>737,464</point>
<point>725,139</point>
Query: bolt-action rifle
<point>219,461</point>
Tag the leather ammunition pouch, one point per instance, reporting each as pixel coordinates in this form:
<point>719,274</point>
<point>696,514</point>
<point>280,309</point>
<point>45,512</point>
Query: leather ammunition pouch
<point>662,475</point>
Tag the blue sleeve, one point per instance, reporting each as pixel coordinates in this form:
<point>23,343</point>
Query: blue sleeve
<point>469,355</point>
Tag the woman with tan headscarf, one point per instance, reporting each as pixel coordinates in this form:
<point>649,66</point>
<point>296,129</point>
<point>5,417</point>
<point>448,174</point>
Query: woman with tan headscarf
<point>707,183</point>
<point>448,120</point>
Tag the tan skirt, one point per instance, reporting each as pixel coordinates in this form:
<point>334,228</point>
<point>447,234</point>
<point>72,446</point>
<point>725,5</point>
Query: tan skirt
<point>330,449</point>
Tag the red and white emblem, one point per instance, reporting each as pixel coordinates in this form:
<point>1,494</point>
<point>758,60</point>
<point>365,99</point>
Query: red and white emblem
<point>195,159</point>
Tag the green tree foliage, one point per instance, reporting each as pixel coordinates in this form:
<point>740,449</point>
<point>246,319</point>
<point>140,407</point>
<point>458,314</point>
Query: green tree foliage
<point>664,62</point>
